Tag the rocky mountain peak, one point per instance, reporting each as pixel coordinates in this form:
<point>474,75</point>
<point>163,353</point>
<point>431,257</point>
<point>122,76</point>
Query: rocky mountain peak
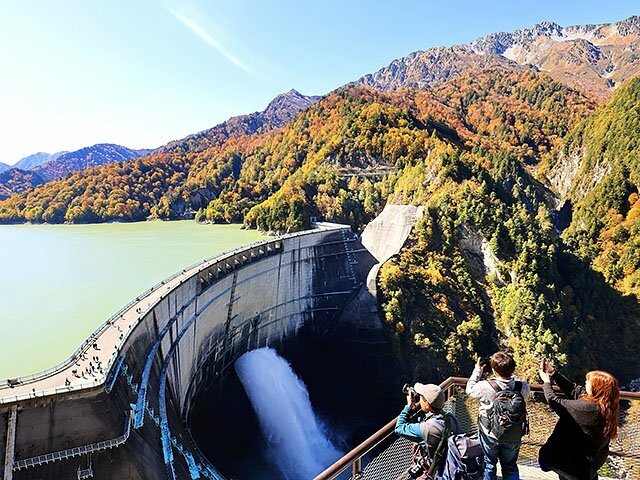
<point>280,111</point>
<point>629,26</point>
<point>291,101</point>
<point>593,58</point>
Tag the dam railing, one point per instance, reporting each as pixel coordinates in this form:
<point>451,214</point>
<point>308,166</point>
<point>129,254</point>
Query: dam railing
<point>232,256</point>
<point>76,451</point>
<point>385,456</point>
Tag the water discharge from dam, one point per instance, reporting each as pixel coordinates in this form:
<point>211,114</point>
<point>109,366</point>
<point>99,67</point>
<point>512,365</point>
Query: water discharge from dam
<point>296,441</point>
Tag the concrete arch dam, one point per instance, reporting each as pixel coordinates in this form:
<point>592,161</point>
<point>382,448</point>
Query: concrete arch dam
<point>119,407</point>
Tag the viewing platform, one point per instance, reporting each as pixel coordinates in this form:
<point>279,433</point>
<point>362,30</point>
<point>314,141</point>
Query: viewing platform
<point>385,456</point>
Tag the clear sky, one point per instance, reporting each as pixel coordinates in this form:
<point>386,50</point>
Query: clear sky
<point>143,72</point>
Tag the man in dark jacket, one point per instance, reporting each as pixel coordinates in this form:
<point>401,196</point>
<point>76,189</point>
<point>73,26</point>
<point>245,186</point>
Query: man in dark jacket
<point>428,429</point>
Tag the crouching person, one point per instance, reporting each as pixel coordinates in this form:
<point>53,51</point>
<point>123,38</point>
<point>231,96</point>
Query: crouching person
<point>429,431</point>
<point>502,418</point>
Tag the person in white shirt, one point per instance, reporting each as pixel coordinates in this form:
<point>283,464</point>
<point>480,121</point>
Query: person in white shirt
<point>498,445</point>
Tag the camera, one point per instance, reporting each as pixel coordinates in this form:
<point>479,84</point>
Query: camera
<point>546,366</point>
<point>408,389</point>
<point>485,363</point>
<point>417,469</point>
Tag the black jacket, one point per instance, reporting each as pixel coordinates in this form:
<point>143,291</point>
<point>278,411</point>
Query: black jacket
<point>577,447</point>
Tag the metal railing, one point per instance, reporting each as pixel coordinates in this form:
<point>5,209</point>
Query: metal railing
<point>76,451</point>
<point>385,456</point>
<point>7,384</point>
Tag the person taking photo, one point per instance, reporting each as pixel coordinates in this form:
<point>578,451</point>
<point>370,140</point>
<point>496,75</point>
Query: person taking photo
<point>588,421</point>
<point>427,429</point>
<point>502,418</point>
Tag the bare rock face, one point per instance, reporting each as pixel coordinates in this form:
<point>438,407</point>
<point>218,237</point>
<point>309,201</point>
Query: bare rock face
<point>482,261</point>
<point>434,66</point>
<point>564,172</point>
<point>593,58</point>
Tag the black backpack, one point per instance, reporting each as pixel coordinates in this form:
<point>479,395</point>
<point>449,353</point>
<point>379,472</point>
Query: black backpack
<point>508,419</point>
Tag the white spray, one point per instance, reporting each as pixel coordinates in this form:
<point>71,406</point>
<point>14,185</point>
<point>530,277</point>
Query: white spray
<point>296,442</point>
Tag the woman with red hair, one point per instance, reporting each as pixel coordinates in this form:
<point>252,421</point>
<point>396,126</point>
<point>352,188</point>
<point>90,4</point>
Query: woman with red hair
<point>588,421</point>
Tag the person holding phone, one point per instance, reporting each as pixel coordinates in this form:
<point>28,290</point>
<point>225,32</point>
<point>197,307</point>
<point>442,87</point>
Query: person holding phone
<point>588,421</point>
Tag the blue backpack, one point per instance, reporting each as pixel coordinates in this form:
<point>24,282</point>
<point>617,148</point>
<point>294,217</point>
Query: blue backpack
<point>465,459</point>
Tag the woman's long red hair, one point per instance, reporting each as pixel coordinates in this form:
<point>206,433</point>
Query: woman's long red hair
<point>606,393</point>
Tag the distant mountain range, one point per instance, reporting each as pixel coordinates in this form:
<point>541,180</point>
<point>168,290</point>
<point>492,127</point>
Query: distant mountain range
<point>37,159</point>
<point>86,157</point>
<point>43,167</point>
<point>4,166</point>
<point>280,111</point>
<point>15,180</point>
<point>593,58</point>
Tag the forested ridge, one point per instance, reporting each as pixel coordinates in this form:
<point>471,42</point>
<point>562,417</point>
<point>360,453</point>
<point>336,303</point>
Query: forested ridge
<point>606,224</point>
<point>477,152</point>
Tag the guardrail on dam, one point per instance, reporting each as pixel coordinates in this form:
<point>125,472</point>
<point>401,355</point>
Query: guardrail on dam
<point>117,407</point>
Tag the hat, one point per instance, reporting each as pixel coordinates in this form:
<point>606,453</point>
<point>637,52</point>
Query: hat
<point>433,394</point>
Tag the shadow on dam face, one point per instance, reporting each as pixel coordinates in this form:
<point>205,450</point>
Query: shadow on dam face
<point>353,385</point>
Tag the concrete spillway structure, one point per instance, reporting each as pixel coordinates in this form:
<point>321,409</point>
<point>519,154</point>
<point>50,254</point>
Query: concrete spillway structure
<point>119,407</point>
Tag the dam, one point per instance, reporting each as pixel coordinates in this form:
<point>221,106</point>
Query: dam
<point>150,394</point>
<point>120,406</point>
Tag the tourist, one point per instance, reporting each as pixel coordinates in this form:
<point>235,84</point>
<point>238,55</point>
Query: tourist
<point>502,392</point>
<point>588,421</point>
<point>428,428</point>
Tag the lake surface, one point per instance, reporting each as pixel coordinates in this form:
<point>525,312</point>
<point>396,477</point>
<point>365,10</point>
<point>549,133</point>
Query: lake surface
<point>58,283</point>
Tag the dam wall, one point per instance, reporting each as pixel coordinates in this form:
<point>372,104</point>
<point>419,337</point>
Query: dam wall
<point>127,417</point>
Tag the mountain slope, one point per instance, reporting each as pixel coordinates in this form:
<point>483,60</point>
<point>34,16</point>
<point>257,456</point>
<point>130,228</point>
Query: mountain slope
<point>86,157</point>
<point>17,180</point>
<point>432,67</point>
<point>280,111</point>
<point>593,58</point>
<point>484,269</point>
<point>37,159</point>
<point>4,167</point>
<point>605,227</point>
<point>144,181</point>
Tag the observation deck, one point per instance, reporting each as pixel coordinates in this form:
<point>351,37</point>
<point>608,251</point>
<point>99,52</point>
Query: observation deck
<point>385,456</point>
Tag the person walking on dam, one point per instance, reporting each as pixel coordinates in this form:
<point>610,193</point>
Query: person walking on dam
<point>502,418</point>
<point>588,421</point>
<point>429,431</point>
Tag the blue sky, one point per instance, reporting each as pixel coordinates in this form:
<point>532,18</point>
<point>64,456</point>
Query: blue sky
<point>143,72</point>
